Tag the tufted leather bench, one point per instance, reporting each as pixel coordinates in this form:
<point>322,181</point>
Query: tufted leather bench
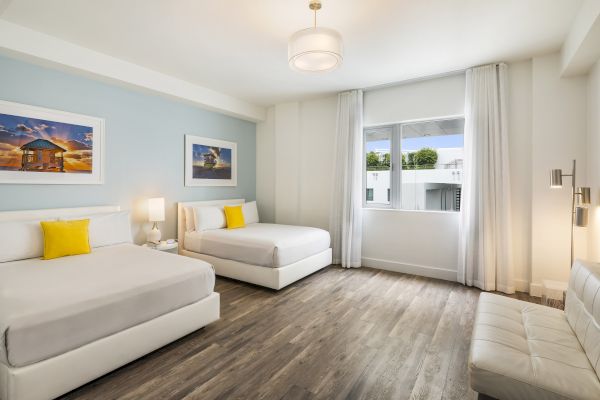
<point>525,351</point>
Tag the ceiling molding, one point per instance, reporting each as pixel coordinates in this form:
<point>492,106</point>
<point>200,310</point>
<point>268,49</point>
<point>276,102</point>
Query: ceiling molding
<point>34,46</point>
<point>581,48</point>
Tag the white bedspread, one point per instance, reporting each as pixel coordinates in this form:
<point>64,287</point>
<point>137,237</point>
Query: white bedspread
<point>267,245</point>
<point>48,307</point>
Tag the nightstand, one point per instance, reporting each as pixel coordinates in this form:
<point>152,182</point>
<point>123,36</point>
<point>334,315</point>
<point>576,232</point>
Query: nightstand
<point>163,246</point>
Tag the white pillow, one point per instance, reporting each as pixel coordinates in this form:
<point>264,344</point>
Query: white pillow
<point>209,217</point>
<point>190,219</point>
<point>106,229</point>
<point>20,240</point>
<point>250,212</point>
<point>110,228</point>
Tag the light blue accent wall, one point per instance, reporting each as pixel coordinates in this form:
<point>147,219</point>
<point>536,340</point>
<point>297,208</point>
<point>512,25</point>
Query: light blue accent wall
<point>144,144</point>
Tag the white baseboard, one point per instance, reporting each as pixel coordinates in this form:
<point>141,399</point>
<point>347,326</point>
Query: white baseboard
<point>521,285</point>
<point>535,289</point>
<point>446,274</point>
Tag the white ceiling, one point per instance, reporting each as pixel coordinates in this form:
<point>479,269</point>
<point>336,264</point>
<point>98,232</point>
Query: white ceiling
<point>239,47</point>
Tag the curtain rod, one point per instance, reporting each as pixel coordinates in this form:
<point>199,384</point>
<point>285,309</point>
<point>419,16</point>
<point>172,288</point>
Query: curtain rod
<point>425,78</point>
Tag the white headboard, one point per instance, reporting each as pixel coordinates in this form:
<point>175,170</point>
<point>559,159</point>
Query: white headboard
<point>54,213</point>
<point>181,214</point>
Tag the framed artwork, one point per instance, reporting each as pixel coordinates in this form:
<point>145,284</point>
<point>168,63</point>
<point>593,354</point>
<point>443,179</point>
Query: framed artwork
<point>43,146</point>
<point>210,162</point>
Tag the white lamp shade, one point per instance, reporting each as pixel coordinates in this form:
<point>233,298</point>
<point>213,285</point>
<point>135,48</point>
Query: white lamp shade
<point>156,209</point>
<point>315,50</point>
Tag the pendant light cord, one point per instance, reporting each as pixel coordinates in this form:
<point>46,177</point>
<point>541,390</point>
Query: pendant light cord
<point>314,5</point>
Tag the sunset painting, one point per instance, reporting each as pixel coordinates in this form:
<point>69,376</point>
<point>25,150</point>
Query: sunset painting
<point>38,145</point>
<point>210,162</point>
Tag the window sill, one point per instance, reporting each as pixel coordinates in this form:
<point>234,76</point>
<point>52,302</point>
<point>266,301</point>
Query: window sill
<point>409,211</point>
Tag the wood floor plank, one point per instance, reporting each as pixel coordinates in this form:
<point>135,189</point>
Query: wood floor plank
<point>337,334</point>
<point>431,381</point>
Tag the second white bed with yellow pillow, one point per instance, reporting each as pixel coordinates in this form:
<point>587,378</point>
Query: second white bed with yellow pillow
<point>270,255</point>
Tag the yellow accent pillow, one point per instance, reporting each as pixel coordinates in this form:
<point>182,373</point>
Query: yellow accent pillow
<point>234,217</point>
<point>65,238</point>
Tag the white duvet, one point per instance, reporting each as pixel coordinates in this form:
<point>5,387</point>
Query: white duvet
<point>48,307</point>
<point>267,245</point>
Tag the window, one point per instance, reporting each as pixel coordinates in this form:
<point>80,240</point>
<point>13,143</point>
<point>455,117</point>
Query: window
<point>416,165</point>
<point>378,142</point>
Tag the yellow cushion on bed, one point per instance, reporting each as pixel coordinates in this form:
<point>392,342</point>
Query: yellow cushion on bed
<point>234,217</point>
<point>65,238</point>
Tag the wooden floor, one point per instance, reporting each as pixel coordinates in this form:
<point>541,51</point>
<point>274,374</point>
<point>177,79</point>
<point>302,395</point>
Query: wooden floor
<point>338,334</point>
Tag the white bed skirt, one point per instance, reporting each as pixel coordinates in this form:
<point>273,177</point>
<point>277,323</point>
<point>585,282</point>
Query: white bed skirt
<point>274,278</point>
<point>58,375</point>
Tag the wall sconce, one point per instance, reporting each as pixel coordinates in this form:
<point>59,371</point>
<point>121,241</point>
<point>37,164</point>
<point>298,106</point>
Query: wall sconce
<point>580,200</point>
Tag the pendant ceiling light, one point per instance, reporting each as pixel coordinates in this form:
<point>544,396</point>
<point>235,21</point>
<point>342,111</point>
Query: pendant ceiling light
<point>315,49</point>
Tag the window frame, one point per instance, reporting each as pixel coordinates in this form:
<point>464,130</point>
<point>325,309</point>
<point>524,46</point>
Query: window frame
<point>396,163</point>
<point>364,165</point>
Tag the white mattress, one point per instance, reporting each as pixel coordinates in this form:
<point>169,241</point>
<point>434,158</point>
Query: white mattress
<point>266,245</point>
<point>48,307</point>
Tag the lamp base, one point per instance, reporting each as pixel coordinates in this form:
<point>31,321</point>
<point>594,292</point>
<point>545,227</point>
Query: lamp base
<point>153,236</point>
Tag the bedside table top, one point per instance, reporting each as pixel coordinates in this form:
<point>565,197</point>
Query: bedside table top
<point>163,246</point>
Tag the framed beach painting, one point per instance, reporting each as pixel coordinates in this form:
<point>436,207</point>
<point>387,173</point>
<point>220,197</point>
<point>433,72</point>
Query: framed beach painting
<point>210,162</point>
<point>43,146</point>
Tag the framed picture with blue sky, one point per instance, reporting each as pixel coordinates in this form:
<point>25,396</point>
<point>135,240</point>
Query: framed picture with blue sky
<point>44,146</point>
<point>210,162</point>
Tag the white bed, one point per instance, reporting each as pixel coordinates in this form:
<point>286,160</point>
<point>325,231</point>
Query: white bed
<point>270,255</point>
<point>67,321</point>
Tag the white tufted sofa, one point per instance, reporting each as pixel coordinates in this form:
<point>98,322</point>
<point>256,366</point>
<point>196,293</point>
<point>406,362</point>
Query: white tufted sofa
<point>525,351</point>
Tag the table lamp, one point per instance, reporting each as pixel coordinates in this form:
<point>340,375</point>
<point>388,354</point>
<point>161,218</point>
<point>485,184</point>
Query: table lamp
<point>156,214</point>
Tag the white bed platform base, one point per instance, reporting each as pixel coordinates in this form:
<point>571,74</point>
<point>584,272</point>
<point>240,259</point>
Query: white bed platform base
<point>274,278</point>
<point>58,375</point>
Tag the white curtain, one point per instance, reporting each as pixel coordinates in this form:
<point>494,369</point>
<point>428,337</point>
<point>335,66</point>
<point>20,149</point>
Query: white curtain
<point>485,256</point>
<point>345,223</point>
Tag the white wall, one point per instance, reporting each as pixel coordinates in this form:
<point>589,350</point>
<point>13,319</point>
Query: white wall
<point>581,55</point>
<point>418,242</point>
<point>295,164</point>
<point>265,167</point>
<point>558,137</point>
<point>593,152</point>
<point>318,120</point>
<point>287,162</point>
<point>519,131</point>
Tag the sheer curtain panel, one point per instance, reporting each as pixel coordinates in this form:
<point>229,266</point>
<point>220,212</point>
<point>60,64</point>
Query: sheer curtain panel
<point>485,254</point>
<point>345,224</point>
